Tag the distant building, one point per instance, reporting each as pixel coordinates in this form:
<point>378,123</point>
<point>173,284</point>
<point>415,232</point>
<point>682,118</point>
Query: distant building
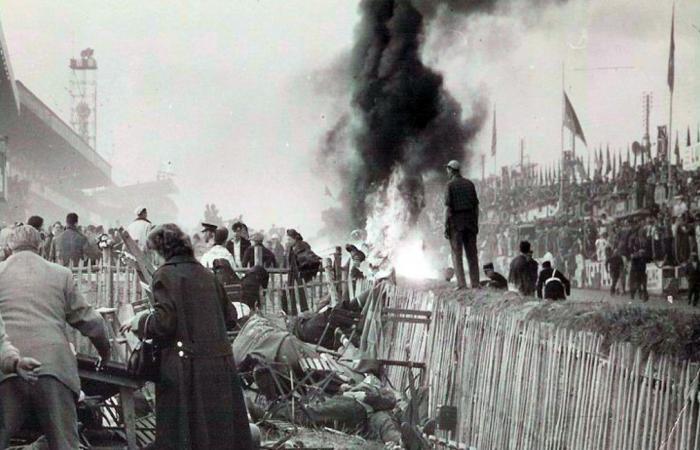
<point>47,168</point>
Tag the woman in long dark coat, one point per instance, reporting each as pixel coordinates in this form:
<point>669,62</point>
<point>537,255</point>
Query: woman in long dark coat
<point>199,400</point>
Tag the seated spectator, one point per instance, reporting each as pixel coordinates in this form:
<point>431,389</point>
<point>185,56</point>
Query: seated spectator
<point>495,279</point>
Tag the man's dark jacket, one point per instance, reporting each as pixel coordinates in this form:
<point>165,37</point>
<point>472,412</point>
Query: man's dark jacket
<point>497,281</point>
<point>70,246</point>
<point>553,290</point>
<point>462,205</point>
<point>614,265</point>
<point>245,245</point>
<point>523,274</point>
<point>268,258</point>
<point>200,401</point>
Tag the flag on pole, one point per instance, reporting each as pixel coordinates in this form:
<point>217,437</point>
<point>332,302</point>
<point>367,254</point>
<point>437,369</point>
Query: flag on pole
<point>687,142</point>
<point>571,120</point>
<point>677,151</point>
<point>493,135</point>
<point>671,52</point>
<point>608,167</point>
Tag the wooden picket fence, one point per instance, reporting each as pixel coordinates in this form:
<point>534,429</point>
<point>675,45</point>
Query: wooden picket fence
<point>530,385</point>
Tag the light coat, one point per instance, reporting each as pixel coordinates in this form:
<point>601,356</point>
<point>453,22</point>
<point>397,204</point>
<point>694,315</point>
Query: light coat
<point>38,302</point>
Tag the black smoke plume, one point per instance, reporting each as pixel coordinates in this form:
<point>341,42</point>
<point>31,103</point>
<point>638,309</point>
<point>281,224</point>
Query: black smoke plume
<point>402,116</point>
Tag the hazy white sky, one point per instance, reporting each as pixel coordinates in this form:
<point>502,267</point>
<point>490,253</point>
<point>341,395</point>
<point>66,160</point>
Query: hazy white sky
<point>235,93</point>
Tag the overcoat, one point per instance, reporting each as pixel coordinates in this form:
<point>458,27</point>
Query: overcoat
<point>199,400</point>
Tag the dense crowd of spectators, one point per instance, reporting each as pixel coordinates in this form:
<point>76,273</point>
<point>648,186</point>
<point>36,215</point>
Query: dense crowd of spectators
<point>635,208</point>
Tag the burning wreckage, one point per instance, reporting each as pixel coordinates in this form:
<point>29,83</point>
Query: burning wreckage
<point>322,369</point>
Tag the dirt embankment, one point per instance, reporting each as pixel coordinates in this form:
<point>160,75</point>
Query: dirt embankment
<point>658,327</point>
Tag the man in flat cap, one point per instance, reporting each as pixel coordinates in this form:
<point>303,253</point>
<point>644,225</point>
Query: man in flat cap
<point>462,223</point>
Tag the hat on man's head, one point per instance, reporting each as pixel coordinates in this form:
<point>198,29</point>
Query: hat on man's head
<point>488,266</point>
<point>547,264</point>
<point>454,164</point>
<point>257,238</point>
<point>525,247</point>
<point>140,210</point>
<point>209,228</point>
<point>238,226</point>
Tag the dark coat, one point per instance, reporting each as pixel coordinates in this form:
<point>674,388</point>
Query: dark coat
<point>70,247</point>
<point>462,205</point>
<point>614,265</point>
<point>692,270</point>
<point>523,274</point>
<point>245,245</point>
<point>199,397</point>
<point>553,290</point>
<point>497,281</point>
<point>268,258</point>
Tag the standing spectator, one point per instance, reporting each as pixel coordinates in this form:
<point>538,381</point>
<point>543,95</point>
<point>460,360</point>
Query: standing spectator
<point>140,227</point>
<point>462,224</point>
<point>239,244</point>
<point>38,300</point>
<point>70,245</point>
<point>278,250</point>
<point>268,258</point>
<point>200,401</point>
<point>218,251</point>
<point>600,245</point>
<point>49,248</point>
<point>692,271</point>
<point>303,265</point>
<point>638,275</point>
<point>523,270</point>
<point>37,222</point>
<point>552,284</point>
<point>11,361</point>
<point>614,265</point>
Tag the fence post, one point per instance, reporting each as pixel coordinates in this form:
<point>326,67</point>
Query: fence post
<point>258,253</point>
<point>109,275</point>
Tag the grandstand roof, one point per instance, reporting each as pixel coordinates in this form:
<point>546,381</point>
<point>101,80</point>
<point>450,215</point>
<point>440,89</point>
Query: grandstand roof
<point>9,98</point>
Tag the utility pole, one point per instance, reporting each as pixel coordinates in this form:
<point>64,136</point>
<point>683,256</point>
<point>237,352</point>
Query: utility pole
<point>646,140</point>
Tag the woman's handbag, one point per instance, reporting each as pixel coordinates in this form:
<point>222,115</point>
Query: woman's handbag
<point>144,362</point>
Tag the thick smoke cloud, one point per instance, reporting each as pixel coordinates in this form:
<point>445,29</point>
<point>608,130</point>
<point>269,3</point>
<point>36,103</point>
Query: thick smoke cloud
<point>402,116</point>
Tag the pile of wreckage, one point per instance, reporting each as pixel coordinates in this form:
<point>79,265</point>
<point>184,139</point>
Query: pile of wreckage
<point>321,369</point>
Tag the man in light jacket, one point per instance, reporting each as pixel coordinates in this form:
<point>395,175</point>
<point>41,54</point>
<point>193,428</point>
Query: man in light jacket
<point>38,301</point>
<point>12,362</point>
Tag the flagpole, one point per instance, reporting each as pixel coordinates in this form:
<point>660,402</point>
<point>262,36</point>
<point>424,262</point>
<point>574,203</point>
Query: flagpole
<point>561,162</point>
<point>670,110</point>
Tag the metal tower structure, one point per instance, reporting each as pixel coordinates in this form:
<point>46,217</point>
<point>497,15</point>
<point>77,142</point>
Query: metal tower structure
<point>83,92</point>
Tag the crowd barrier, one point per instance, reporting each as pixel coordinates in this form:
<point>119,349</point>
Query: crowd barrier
<point>510,383</point>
